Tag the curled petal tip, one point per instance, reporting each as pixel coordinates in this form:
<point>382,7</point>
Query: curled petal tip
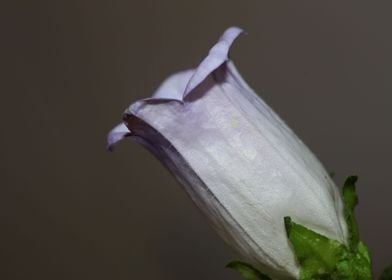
<point>179,85</point>
<point>117,134</point>
<point>173,87</point>
<point>217,55</point>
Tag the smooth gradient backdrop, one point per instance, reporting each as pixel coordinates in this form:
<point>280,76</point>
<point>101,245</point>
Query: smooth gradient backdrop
<point>71,210</point>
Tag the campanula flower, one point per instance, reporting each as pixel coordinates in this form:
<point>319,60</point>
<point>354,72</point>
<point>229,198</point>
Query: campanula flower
<point>238,161</point>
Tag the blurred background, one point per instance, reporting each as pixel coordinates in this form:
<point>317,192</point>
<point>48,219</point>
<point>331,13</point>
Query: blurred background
<point>71,210</point>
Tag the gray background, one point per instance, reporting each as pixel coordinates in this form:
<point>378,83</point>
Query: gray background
<point>71,210</point>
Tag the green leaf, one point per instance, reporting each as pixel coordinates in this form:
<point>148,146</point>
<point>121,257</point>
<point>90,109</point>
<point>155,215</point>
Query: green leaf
<point>387,273</point>
<point>247,271</point>
<point>350,200</point>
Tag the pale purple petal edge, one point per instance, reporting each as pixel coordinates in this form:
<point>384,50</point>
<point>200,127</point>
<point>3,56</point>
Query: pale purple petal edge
<point>217,55</point>
<point>173,88</point>
<point>117,134</point>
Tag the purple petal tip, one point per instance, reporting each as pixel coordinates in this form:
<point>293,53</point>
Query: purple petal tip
<point>117,134</point>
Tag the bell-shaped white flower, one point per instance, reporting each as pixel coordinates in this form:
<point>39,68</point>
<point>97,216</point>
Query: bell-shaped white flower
<point>238,161</point>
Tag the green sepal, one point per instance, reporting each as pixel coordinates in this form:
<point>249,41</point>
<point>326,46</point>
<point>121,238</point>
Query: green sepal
<point>387,273</point>
<point>324,258</point>
<point>350,199</point>
<point>360,259</point>
<point>316,254</point>
<point>356,264</point>
<point>247,271</point>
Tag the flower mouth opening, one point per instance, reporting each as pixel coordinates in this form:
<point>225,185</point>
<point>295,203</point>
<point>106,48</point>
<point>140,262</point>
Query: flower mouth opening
<point>186,86</point>
<point>134,124</point>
